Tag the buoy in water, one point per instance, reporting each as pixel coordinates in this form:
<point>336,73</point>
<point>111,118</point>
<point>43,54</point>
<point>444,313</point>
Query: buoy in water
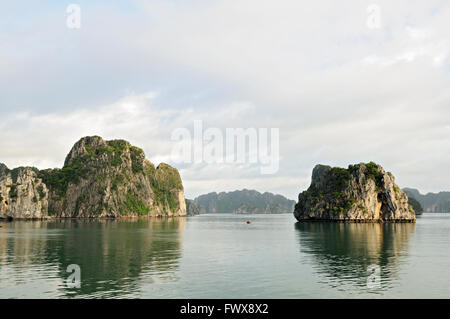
<point>249,222</point>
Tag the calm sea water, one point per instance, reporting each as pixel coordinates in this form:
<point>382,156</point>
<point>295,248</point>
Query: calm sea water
<point>220,256</point>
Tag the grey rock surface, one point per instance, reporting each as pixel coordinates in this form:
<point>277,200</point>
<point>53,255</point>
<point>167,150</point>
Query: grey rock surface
<point>361,193</point>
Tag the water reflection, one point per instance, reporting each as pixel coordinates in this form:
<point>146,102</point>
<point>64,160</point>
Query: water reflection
<point>115,257</point>
<point>342,253</point>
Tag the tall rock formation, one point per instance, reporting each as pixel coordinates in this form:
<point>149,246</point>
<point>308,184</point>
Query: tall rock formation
<point>361,193</point>
<point>191,208</point>
<point>22,193</point>
<point>99,179</point>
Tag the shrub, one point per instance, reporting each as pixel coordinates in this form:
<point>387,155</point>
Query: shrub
<point>13,192</point>
<point>40,190</point>
<point>116,149</point>
<point>137,159</point>
<point>373,173</point>
<point>341,176</point>
<point>15,174</point>
<point>135,205</point>
<point>59,179</point>
<point>164,181</point>
<point>415,206</point>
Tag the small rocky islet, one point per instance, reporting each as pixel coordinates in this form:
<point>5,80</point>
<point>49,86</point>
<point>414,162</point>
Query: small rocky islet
<point>360,193</point>
<point>99,179</point>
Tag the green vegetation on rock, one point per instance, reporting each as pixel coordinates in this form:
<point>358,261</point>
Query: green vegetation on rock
<point>165,182</point>
<point>191,208</point>
<point>40,190</point>
<point>340,194</point>
<point>103,179</point>
<point>135,205</point>
<point>341,177</point>
<point>13,192</point>
<point>374,174</point>
<point>137,159</point>
<point>371,172</point>
<point>15,174</point>
<point>415,205</point>
<point>59,179</point>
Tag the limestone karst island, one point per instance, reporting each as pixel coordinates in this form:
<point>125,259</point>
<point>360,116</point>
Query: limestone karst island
<point>99,179</point>
<point>360,193</point>
<point>112,179</point>
<point>242,151</point>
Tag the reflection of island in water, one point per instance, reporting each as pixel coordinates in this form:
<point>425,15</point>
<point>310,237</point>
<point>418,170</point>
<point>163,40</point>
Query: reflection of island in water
<point>342,253</point>
<point>115,257</point>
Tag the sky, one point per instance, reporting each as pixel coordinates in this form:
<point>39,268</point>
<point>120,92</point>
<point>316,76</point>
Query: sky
<point>344,82</point>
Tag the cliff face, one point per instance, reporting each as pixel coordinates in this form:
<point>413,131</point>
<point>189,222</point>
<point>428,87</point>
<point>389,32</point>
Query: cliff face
<point>361,193</point>
<point>191,208</point>
<point>22,194</point>
<point>418,209</point>
<point>102,179</point>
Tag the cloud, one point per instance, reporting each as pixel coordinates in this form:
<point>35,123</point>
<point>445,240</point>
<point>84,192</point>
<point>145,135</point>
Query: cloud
<point>45,139</point>
<point>338,91</point>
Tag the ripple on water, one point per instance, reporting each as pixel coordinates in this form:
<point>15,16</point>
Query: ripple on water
<point>217,256</point>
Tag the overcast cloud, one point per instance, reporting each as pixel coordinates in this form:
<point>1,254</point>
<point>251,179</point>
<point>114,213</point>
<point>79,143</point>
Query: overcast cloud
<point>339,91</point>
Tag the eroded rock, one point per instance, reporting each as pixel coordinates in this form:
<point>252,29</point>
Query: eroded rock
<point>23,195</point>
<point>361,193</point>
<point>99,179</point>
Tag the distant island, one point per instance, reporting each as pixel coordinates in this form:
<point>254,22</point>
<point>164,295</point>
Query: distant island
<point>415,205</point>
<point>191,208</point>
<point>431,202</point>
<point>360,193</point>
<point>243,202</point>
<point>99,179</point>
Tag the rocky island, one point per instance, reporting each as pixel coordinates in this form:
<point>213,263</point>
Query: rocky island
<point>99,179</point>
<point>431,202</point>
<point>191,208</point>
<point>243,202</point>
<point>360,193</point>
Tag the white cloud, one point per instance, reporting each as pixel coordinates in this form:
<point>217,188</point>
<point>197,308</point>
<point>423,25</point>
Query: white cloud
<point>339,91</point>
<point>45,139</point>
